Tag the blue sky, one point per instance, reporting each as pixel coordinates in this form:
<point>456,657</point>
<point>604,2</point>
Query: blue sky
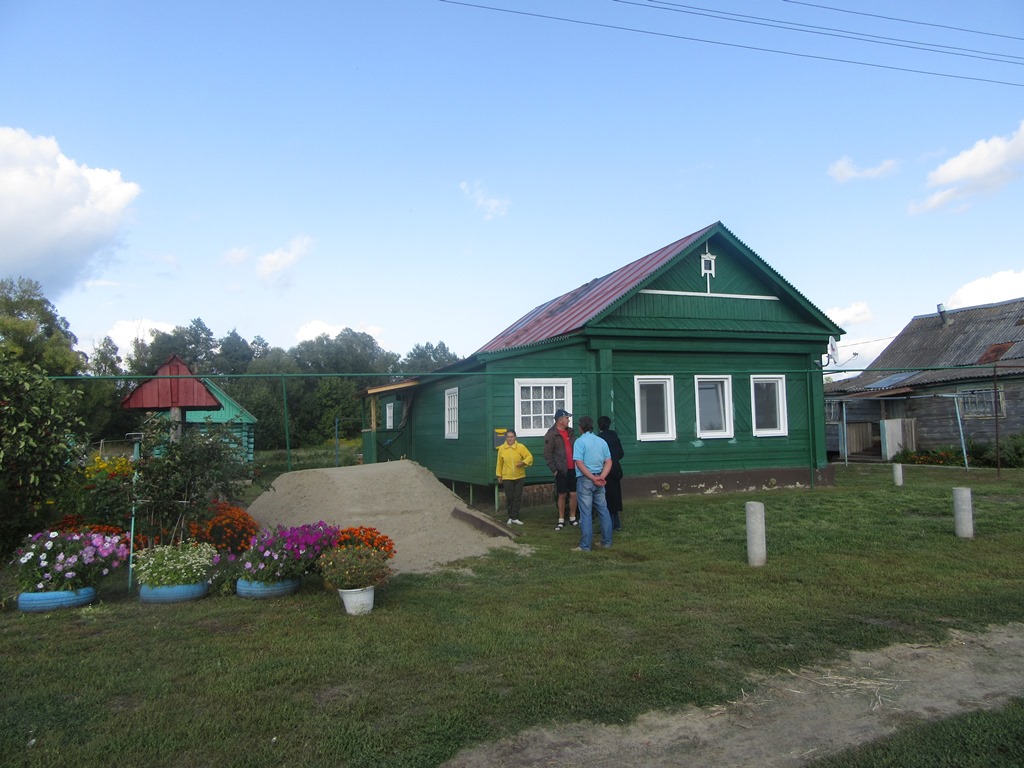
<point>426,170</point>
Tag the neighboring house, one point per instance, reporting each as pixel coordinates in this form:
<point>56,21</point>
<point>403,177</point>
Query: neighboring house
<point>175,393</point>
<point>704,357</point>
<point>948,378</point>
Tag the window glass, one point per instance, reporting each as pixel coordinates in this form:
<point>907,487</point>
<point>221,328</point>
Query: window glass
<point>768,402</point>
<point>714,406</point>
<point>451,414</point>
<point>655,407</point>
<point>536,403</point>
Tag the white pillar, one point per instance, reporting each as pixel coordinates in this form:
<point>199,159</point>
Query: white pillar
<point>756,551</point>
<point>963,514</point>
<point>897,475</point>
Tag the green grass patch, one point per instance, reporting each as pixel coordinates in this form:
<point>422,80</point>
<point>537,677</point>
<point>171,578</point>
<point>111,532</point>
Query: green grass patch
<point>670,617</point>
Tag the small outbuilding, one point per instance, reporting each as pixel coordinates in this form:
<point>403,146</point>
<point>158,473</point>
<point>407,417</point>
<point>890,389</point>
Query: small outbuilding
<point>949,378</point>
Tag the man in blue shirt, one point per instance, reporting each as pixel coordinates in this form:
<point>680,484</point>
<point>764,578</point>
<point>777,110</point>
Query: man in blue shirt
<point>593,463</point>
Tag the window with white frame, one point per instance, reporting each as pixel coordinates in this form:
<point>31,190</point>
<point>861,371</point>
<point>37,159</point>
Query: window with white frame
<point>536,403</point>
<point>979,403</point>
<point>655,408</point>
<point>768,406</point>
<point>451,414</point>
<point>714,406</point>
<point>389,416</point>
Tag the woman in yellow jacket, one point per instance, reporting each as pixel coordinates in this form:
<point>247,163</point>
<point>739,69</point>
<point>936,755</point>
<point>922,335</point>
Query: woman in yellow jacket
<point>513,459</point>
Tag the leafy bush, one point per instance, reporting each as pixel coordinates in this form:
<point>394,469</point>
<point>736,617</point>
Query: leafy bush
<point>949,456</point>
<point>37,446</point>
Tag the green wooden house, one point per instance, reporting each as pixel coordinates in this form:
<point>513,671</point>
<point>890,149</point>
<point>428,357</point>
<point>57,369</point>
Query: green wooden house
<point>704,357</point>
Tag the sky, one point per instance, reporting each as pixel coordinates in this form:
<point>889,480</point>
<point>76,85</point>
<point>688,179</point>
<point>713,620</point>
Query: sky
<point>431,170</point>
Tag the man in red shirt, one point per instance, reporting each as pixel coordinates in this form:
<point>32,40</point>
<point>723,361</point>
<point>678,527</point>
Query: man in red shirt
<point>558,456</point>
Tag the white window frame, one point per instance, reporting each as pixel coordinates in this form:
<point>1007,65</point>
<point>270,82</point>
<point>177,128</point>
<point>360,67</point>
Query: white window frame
<point>548,406</point>
<point>668,390</point>
<point>451,414</point>
<point>780,406</point>
<point>389,416</point>
<point>727,416</point>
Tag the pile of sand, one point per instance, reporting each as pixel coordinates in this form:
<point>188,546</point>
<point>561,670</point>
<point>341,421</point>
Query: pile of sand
<point>431,526</point>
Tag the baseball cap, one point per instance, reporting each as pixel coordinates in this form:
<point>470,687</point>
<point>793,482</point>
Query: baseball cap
<point>560,413</point>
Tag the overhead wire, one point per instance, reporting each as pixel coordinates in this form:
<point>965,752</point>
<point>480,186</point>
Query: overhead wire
<point>812,29</point>
<point>759,49</point>
<point>905,21</point>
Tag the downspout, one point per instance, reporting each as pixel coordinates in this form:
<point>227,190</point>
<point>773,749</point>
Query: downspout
<point>960,425</point>
<point>811,431</point>
<point>995,414</point>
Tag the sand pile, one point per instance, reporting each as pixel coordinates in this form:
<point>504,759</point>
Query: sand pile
<point>431,526</point>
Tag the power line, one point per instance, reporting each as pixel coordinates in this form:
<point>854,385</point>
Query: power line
<point>758,49</point>
<point>812,29</point>
<point>905,21</point>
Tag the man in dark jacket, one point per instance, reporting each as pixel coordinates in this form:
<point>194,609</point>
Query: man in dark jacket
<point>558,456</point>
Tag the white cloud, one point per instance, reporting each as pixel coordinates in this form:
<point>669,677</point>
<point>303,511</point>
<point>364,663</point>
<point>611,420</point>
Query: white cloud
<point>1001,286</point>
<point>57,218</point>
<point>985,168</point>
<point>843,170</point>
<point>491,206</point>
<point>236,256</point>
<point>858,312</point>
<point>273,265</point>
<point>124,332</point>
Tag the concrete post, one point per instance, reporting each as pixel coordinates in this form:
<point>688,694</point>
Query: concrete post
<point>756,551</point>
<point>963,513</point>
<point>897,475</point>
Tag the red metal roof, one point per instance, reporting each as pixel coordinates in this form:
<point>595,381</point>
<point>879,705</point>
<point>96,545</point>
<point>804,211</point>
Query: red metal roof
<point>161,394</point>
<point>570,312</point>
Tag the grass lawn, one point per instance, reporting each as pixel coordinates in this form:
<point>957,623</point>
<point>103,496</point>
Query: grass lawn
<point>671,617</point>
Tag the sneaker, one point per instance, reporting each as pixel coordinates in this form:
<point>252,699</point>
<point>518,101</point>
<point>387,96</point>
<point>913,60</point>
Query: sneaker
<point>509,521</point>
<point>515,521</point>
<point>579,549</point>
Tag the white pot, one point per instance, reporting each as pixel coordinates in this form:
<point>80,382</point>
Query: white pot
<point>357,601</point>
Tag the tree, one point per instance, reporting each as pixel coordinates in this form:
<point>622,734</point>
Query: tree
<point>424,358</point>
<point>233,354</point>
<point>32,332</point>
<point>193,343</point>
<point>38,428</point>
<point>101,407</point>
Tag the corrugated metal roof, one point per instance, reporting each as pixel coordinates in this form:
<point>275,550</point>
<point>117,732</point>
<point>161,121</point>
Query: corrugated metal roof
<point>939,348</point>
<point>161,394</point>
<point>570,312</point>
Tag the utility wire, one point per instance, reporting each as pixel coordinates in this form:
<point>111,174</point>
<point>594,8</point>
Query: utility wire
<point>904,21</point>
<point>811,29</point>
<point>669,35</point>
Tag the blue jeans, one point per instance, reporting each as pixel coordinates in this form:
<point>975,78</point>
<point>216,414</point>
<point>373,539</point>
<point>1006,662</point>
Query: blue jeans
<point>590,496</point>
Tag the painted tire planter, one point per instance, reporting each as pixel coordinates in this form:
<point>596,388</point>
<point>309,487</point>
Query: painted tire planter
<point>357,601</point>
<point>261,589</point>
<point>40,602</point>
<point>173,593</point>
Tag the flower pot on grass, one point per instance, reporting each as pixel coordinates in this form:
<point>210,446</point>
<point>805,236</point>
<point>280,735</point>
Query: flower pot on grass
<point>355,571</point>
<point>277,558</point>
<point>174,573</point>
<point>174,593</point>
<point>264,589</point>
<point>40,602</point>
<point>60,569</point>
<point>357,601</point>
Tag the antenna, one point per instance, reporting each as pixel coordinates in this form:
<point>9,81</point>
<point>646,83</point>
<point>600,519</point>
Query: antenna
<point>833,350</point>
